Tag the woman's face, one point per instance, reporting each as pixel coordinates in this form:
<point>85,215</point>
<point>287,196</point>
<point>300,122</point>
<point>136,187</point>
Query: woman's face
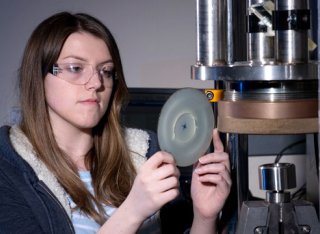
<point>73,105</point>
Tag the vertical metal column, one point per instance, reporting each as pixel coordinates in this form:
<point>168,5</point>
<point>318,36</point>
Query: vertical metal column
<point>229,33</point>
<point>242,170</point>
<point>211,32</point>
<point>315,55</point>
<point>260,37</point>
<point>237,147</point>
<point>291,22</point>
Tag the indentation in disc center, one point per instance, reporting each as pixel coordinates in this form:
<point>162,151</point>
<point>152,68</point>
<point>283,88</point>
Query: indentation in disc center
<point>184,127</point>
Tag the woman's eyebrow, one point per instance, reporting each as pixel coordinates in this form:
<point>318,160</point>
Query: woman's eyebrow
<point>86,61</point>
<point>109,61</point>
<point>75,57</point>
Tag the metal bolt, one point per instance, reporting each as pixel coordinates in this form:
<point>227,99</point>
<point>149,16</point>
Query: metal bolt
<point>305,229</point>
<point>259,230</point>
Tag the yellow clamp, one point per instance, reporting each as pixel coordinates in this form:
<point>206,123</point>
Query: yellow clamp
<point>214,95</point>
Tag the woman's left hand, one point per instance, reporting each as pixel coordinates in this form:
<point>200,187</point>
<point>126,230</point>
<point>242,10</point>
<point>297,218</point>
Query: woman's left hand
<point>211,182</point>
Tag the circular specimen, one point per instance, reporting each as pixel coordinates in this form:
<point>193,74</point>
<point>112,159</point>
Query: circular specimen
<point>185,125</point>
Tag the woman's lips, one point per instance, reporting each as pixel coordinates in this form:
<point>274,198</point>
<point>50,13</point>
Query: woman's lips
<point>90,101</point>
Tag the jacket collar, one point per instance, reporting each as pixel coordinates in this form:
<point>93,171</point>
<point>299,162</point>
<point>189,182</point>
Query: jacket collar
<point>24,148</point>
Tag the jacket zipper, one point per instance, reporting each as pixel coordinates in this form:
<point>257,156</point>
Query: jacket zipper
<point>59,204</point>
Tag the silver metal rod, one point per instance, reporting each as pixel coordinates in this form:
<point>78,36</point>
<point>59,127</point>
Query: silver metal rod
<point>211,32</point>
<point>229,31</point>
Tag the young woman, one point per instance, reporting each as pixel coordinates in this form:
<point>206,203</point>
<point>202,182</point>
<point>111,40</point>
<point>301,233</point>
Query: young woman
<point>70,166</point>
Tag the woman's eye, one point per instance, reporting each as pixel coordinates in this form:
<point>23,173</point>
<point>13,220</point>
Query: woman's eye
<point>74,68</point>
<point>107,73</point>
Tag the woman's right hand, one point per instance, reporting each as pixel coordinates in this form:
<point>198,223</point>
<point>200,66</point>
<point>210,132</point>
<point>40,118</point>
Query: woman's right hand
<point>157,183</point>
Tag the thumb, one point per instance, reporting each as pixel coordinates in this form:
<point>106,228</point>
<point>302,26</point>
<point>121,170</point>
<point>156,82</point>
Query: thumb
<point>217,143</point>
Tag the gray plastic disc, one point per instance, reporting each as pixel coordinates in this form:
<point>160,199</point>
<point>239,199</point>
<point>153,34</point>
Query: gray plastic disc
<point>185,126</point>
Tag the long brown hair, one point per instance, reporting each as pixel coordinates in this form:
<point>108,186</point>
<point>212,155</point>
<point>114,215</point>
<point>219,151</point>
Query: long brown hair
<point>110,165</point>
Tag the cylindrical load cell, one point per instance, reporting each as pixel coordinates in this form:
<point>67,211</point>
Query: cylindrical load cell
<point>291,22</point>
<point>211,32</point>
<point>277,177</point>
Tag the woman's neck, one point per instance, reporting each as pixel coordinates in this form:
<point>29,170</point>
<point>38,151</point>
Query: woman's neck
<point>76,143</point>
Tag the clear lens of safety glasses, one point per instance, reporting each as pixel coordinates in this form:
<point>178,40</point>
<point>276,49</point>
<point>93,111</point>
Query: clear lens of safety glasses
<point>80,73</point>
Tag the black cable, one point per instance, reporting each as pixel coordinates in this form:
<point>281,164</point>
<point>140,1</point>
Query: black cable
<point>300,193</point>
<point>279,155</point>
